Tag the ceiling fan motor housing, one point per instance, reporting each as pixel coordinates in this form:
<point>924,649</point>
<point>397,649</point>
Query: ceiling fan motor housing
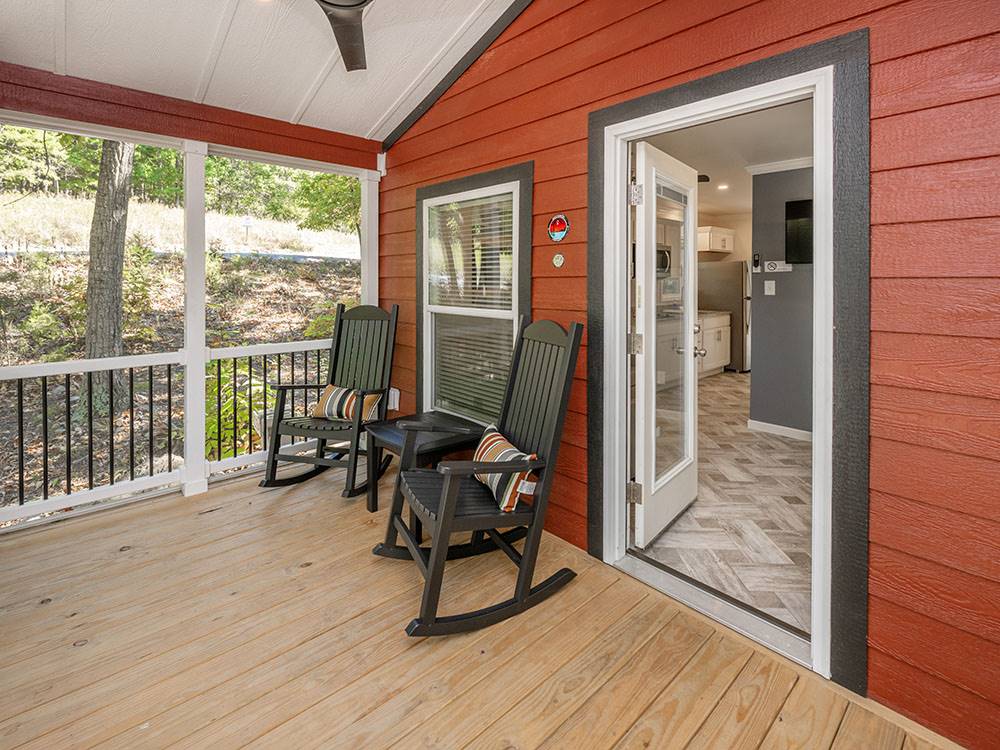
<point>345,19</point>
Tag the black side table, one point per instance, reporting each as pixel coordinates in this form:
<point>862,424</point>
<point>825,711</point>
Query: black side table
<point>431,447</point>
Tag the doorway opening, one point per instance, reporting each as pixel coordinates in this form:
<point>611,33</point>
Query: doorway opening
<point>744,531</point>
<point>728,426</point>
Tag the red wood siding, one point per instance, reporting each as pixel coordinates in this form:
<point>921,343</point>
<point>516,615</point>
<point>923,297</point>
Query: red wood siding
<point>42,93</point>
<point>935,100</point>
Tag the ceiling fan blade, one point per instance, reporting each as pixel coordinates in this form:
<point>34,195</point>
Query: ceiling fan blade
<point>345,18</point>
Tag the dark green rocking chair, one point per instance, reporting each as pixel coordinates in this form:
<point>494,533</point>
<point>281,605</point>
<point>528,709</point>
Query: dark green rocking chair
<point>360,360</point>
<point>449,499</point>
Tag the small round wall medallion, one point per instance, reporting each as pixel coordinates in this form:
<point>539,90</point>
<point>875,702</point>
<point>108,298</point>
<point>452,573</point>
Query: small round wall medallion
<point>558,227</point>
<point>558,260</point>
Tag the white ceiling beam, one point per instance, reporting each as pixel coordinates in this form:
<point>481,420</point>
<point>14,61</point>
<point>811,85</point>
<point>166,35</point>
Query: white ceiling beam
<point>212,60</point>
<point>316,85</point>
<point>59,37</point>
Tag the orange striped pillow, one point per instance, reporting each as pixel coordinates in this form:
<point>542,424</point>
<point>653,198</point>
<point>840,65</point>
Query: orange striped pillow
<point>507,488</point>
<point>340,403</point>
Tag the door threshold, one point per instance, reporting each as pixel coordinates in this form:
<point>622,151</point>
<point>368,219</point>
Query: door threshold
<point>754,625</point>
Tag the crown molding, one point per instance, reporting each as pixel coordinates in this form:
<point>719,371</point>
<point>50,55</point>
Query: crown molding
<point>804,162</point>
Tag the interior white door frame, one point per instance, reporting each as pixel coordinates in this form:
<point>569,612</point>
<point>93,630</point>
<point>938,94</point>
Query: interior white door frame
<point>817,84</point>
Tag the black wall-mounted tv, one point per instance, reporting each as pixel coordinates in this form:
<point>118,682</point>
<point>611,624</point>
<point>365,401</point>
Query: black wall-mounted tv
<point>799,232</point>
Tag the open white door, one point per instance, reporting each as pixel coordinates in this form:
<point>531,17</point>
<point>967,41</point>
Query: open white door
<point>666,371</point>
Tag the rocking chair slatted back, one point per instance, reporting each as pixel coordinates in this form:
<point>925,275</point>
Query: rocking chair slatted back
<point>541,376</point>
<point>361,354</point>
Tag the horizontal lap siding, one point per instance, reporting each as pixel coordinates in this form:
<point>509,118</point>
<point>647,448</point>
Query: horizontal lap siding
<point>935,440</point>
<point>934,630</point>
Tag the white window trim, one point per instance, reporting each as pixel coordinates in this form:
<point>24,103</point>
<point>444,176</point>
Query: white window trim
<point>513,187</point>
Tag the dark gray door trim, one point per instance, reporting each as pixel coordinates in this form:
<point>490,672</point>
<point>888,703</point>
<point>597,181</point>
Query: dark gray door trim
<point>848,55</point>
<point>524,175</point>
<point>481,45</point>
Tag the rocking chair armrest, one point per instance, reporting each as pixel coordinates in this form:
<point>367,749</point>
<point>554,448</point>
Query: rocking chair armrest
<point>412,425</point>
<point>295,386</point>
<point>369,391</point>
<point>488,467</point>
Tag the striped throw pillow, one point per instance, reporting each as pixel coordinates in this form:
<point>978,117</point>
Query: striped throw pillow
<point>507,488</point>
<point>340,403</point>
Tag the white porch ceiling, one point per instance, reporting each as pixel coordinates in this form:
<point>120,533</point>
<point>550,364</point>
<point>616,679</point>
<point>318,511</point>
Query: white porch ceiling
<point>275,58</point>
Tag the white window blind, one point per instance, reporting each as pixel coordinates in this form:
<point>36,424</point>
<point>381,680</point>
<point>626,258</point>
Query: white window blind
<point>470,251</point>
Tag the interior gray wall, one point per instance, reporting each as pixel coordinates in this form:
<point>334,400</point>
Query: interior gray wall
<point>781,328</point>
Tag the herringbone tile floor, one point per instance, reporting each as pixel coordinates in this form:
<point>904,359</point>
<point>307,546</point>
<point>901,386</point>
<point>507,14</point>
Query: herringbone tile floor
<point>748,533</point>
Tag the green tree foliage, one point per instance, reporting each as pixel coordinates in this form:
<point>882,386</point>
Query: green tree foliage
<point>81,165</point>
<point>30,160</point>
<point>329,201</point>
<point>34,161</point>
<point>158,175</point>
<point>235,186</point>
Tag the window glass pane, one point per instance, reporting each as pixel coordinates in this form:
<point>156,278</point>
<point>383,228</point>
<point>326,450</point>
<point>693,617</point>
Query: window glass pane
<point>283,248</point>
<point>91,247</point>
<point>469,258</point>
<point>471,362</point>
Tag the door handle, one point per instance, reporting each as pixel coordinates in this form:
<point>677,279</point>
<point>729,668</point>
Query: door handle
<point>697,352</point>
<point>697,328</point>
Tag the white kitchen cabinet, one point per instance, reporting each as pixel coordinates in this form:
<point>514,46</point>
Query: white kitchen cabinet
<point>715,342</point>
<point>714,339</point>
<point>716,240</point>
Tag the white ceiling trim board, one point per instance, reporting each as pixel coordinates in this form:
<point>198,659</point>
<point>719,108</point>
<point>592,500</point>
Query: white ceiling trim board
<point>381,124</point>
<point>59,37</point>
<point>317,84</point>
<point>212,61</point>
<point>780,166</point>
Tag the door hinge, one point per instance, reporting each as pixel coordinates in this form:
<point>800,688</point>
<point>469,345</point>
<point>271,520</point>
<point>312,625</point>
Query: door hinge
<point>634,194</point>
<point>633,493</point>
<point>635,343</point>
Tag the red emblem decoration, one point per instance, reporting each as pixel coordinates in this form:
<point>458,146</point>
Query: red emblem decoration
<point>558,227</point>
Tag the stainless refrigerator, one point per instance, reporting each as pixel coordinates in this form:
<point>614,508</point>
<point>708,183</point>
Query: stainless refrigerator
<point>725,286</point>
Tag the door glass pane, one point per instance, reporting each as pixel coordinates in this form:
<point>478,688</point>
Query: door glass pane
<point>471,361</point>
<point>671,388</point>
<point>469,257</point>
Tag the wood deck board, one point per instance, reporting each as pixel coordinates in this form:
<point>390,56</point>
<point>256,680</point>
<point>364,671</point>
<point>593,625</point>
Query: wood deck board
<point>258,617</point>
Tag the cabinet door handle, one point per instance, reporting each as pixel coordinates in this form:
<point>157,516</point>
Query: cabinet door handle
<point>700,352</point>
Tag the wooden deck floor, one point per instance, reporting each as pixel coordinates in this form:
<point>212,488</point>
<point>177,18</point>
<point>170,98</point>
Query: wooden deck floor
<point>256,618</point>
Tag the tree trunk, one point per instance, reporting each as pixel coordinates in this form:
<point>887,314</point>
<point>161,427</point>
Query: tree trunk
<point>107,251</point>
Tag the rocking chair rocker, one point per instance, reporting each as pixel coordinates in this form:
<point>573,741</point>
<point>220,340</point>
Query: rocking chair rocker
<point>449,499</point>
<point>360,361</point>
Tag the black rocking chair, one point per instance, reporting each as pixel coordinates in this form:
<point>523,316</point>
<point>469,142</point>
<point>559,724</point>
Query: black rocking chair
<point>449,499</point>
<point>360,359</point>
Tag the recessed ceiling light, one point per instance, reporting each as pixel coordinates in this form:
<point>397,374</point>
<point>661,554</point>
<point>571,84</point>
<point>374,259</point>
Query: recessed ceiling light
<point>723,186</point>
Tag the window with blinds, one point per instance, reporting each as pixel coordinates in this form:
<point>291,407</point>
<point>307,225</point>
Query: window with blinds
<point>470,251</point>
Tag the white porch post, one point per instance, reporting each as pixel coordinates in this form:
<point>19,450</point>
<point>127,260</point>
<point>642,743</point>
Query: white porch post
<point>194,478</point>
<point>369,237</point>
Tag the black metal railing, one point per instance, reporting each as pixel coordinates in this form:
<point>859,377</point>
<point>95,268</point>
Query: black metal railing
<point>78,431</point>
<point>240,402</point>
